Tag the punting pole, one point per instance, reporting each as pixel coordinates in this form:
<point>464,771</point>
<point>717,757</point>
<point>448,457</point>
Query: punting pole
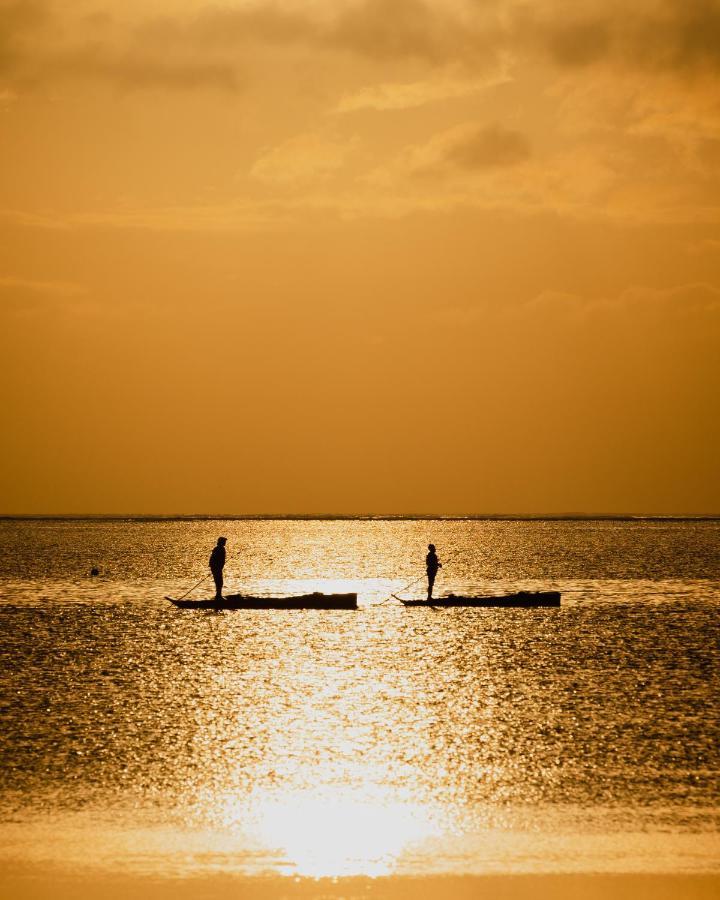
<point>204,578</point>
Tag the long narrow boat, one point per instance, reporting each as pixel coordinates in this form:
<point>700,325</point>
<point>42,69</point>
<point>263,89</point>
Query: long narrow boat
<point>240,601</point>
<point>521,599</point>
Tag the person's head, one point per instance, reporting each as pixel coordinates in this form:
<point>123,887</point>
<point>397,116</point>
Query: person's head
<point>431,548</point>
<point>222,541</point>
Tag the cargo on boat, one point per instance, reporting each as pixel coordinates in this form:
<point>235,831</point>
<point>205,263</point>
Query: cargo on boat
<point>520,599</point>
<point>240,601</point>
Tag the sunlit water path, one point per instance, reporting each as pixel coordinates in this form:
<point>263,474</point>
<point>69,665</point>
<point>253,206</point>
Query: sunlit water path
<point>386,740</point>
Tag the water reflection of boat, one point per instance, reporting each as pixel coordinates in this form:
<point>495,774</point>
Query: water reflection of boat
<point>240,601</point>
<point>520,599</point>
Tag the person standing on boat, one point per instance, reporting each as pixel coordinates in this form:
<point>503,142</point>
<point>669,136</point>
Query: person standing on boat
<point>217,564</point>
<point>432,564</point>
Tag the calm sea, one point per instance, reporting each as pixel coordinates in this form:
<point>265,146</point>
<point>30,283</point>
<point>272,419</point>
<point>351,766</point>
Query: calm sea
<point>388,740</point>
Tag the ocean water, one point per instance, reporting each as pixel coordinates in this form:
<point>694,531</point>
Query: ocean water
<point>140,737</point>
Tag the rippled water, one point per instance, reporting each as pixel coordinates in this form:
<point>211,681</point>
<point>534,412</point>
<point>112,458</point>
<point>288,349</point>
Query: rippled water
<point>384,740</point>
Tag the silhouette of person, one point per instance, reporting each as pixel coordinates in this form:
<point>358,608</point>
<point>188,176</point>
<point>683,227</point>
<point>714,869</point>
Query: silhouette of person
<point>217,564</point>
<point>432,564</point>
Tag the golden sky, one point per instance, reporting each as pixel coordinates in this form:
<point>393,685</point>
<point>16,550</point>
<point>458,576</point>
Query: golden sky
<point>360,256</point>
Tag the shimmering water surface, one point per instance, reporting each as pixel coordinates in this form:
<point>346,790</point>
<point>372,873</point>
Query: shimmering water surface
<point>585,738</point>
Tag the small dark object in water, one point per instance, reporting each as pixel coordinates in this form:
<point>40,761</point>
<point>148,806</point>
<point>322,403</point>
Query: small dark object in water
<point>94,572</point>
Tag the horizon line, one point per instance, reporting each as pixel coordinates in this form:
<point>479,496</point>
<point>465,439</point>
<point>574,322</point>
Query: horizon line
<point>568,516</point>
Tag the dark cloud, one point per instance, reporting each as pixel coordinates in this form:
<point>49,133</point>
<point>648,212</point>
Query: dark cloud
<point>31,55</point>
<point>487,148</point>
<point>401,29</point>
<point>686,36</point>
<point>674,35</point>
<point>661,34</point>
<point>375,29</point>
<point>17,19</point>
<point>133,69</point>
<point>579,44</point>
<point>268,23</point>
<point>20,16</point>
<point>469,149</point>
<point>204,50</point>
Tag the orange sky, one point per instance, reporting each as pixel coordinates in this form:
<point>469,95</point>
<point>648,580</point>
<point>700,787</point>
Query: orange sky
<point>386,256</point>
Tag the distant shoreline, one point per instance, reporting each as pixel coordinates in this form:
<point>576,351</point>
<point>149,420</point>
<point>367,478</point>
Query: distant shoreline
<point>368,517</point>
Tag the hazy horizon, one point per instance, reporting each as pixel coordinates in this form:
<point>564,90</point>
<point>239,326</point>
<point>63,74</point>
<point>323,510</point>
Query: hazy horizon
<point>578,516</point>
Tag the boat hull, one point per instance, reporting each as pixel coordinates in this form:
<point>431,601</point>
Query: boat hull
<point>522,599</point>
<point>240,601</point>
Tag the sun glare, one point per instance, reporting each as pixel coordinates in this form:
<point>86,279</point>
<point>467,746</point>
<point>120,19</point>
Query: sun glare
<point>328,836</point>
<point>343,835</point>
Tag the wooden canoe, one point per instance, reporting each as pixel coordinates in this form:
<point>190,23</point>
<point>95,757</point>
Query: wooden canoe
<point>521,599</point>
<point>240,601</point>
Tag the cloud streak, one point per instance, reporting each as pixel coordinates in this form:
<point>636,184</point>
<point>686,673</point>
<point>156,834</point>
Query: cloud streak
<point>39,288</point>
<point>23,296</point>
<point>465,150</point>
<point>448,85</point>
<point>306,157</point>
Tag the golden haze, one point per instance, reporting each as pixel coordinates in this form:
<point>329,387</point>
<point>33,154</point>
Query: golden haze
<point>360,256</point>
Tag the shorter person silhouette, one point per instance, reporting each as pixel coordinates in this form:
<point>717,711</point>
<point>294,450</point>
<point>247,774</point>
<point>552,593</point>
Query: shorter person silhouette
<point>432,564</point>
<point>217,564</point>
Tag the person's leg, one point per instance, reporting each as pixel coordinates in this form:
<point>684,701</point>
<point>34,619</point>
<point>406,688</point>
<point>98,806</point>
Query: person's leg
<point>431,582</point>
<point>218,579</point>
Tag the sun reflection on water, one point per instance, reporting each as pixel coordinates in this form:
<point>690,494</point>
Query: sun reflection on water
<point>331,743</point>
<point>332,834</point>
